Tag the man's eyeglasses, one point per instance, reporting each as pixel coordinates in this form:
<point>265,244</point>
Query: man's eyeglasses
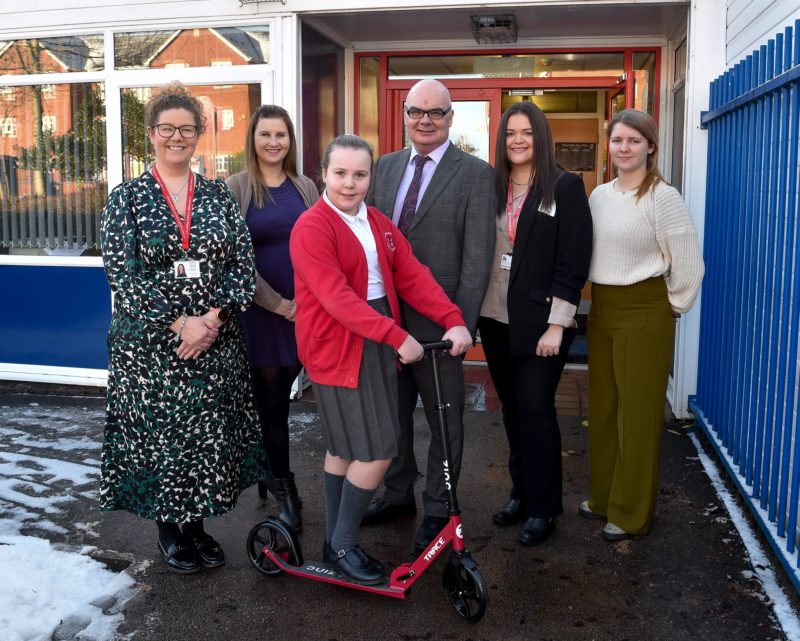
<point>167,131</point>
<point>434,114</point>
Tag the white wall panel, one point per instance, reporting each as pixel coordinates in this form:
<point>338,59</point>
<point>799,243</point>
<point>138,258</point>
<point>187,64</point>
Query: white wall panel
<point>751,24</point>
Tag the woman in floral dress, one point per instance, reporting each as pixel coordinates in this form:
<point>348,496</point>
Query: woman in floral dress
<point>181,436</point>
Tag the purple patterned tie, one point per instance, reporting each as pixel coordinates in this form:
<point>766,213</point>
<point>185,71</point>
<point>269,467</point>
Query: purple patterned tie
<point>410,201</point>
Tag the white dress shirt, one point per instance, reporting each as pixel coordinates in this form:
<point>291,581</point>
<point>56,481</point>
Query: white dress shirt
<point>427,173</point>
<point>359,225</point>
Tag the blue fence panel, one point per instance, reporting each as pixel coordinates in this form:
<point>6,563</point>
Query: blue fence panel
<point>747,392</point>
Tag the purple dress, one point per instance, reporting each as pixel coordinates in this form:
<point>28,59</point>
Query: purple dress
<point>270,337</point>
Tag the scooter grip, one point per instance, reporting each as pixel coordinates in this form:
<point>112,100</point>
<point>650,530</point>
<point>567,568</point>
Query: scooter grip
<point>429,347</point>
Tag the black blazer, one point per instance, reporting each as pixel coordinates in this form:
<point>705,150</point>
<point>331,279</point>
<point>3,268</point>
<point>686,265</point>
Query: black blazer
<point>551,258</point>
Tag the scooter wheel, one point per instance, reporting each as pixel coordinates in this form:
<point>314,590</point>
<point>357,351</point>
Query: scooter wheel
<point>466,590</point>
<point>277,537</point>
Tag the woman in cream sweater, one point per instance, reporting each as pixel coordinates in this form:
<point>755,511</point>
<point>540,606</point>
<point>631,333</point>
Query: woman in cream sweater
<point>646,271</point>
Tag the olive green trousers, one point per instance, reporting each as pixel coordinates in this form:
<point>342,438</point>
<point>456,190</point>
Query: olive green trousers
<point>631,333</point>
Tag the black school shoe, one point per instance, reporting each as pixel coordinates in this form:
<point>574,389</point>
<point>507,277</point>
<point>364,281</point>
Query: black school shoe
<point>208,550</point>
<point>180,556</point>
<point>354,564</point>
<point>328,556</point>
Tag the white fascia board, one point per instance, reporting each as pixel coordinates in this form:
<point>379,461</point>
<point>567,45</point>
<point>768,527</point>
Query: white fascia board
<point>51,261</point>
<point>326,6</point>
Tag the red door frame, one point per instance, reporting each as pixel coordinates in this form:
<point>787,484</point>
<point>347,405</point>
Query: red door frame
<point>389,111</point>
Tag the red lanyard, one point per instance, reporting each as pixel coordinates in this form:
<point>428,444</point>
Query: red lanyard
<point>514,212</point>
<point>185,225</point>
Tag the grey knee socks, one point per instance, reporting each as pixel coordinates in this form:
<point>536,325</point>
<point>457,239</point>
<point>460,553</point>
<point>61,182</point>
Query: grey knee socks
<point>353,506</point>
<point>332,486</point>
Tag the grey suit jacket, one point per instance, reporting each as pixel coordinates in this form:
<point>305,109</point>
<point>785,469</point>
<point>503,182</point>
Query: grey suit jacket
<point>453,231</point>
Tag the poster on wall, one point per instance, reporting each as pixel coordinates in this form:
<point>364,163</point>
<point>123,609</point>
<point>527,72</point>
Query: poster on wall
<point>576,156</point>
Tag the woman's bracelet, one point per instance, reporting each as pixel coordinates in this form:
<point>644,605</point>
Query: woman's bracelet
<point>183,324</point>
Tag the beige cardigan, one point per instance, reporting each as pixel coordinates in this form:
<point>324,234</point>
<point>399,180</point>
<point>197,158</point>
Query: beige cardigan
<point>242,190</point>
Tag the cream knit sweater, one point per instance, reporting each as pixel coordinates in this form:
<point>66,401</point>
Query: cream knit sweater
<point>654,237</point>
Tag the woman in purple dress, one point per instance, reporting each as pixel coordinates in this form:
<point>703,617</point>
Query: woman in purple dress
<point>272,195</point>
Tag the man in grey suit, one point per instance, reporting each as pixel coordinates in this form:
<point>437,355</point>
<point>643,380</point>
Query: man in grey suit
<point>443,200</point>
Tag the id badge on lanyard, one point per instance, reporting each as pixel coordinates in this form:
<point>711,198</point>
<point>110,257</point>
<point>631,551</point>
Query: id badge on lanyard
<point>181,268</point>
<point>513,219</point>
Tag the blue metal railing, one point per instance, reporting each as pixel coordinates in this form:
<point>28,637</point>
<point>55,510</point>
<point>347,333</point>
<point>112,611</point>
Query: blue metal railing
<point>747,392</point>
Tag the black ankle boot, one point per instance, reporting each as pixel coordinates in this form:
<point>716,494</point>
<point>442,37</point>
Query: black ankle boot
<point>285,493</point>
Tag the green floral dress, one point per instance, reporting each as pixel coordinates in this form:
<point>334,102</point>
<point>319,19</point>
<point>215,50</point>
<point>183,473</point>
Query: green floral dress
<point>181,436</point>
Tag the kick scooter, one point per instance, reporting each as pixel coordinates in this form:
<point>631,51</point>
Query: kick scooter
<point>273,548</point>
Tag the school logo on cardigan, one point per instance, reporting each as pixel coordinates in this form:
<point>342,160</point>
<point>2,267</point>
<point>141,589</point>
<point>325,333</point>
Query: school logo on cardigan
<point>389,240</point>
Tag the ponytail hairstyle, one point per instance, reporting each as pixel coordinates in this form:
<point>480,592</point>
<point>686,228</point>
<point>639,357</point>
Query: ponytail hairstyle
<point>646,126</point>
<point>348,141</point>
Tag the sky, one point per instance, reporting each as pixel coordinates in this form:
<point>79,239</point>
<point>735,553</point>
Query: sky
<point>48,585</point>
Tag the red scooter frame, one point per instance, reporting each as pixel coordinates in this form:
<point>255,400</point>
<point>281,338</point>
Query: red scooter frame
<point>273,548</point>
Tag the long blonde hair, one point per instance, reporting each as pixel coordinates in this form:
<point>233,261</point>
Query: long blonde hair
<point>645,125</point>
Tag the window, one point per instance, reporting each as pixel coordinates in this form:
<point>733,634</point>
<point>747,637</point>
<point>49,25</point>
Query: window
<point>7,93</point>
<point>227,119</point>
<point>223,164</point>
<point>222,46</point>
<point>49,91</point>
<point>9,127</point>
<point>53,181</point>
<point>175,65</point>
<point>219,149</point>
<point>62,54</point>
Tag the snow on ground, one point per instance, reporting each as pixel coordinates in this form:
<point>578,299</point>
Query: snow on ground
<point>50,591</point>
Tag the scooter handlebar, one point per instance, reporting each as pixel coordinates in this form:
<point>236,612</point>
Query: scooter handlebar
<point>429,347</point>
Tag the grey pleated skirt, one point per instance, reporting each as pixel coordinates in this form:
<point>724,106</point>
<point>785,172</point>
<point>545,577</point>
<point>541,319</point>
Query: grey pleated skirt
<point>362,424</point>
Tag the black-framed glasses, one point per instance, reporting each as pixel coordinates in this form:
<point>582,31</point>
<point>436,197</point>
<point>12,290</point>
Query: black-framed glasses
<point>167,131</point>
<point>434,114</point>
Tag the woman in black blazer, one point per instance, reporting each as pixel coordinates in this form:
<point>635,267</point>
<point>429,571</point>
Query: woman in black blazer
<point>527,322</point>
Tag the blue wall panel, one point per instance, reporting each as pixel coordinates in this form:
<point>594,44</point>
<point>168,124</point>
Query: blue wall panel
<point>56,316</point>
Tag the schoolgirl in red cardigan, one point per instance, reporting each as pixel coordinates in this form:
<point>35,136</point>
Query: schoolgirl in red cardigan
<point>351,266</point>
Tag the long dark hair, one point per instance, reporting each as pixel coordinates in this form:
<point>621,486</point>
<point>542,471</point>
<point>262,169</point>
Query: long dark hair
<point>545,169</point>
<point>645,125</point>
<point>289,162</point>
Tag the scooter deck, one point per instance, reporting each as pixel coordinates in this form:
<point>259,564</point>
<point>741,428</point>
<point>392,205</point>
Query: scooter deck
<point>319,571</point>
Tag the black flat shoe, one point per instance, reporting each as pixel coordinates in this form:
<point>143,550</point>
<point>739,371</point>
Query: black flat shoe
<point>537,530</point>
<point>429,530</point>
<point>381,511</point>
<point>354,564</point>
<point>329,557</point>
<point>208,550</point>
<point>511,512</point>
<point>180,556</point>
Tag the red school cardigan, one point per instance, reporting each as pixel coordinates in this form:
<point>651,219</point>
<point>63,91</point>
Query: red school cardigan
<point>330,279</point>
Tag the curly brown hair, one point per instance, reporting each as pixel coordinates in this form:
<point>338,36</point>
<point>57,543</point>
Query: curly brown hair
<point>174,96</point>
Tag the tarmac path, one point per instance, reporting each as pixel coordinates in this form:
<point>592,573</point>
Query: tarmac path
<point>689,580</point>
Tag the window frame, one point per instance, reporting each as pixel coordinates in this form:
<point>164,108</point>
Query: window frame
<point>114,81</point>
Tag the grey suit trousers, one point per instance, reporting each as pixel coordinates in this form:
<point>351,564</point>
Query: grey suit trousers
<point>413,380</point>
